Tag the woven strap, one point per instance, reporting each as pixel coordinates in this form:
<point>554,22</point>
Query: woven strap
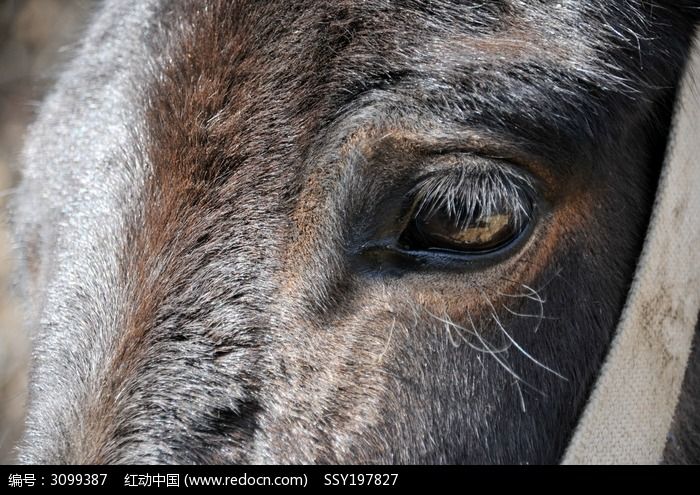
<point>630,410</point>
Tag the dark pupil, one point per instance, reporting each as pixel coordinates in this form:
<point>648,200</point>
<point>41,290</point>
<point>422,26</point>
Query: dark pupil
<point>449,231</point>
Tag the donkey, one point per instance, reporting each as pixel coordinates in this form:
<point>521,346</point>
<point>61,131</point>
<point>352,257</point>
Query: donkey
<point>312,232</point>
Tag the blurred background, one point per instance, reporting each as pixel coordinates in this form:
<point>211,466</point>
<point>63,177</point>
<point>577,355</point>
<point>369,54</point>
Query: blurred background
<point>36,38</point>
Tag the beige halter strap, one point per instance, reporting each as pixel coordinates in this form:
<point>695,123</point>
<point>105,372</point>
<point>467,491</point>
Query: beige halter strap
<point>631,408</point>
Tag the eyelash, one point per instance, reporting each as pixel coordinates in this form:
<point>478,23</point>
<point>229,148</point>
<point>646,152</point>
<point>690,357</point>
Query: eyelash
<point>468,193</point>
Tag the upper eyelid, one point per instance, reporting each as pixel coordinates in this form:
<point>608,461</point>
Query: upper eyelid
<point>481,143</point>
<point>441,149</point>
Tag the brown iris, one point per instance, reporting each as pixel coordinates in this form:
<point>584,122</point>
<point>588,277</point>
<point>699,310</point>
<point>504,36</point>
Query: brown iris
<point>447,229</point>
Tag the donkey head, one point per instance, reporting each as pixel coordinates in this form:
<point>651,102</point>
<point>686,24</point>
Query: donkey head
<point>338,231</point>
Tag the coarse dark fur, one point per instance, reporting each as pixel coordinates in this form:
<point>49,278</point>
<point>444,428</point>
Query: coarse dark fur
<point>211,201</point>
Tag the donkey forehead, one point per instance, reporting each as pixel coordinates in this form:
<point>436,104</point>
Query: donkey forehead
<point>266,87</point>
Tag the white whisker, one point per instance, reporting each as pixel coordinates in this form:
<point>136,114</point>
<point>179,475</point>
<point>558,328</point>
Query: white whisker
<point>522,398</point>
<point>519,347</point>
<point>450,325</point>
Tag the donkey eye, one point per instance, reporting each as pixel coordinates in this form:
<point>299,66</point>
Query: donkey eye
<point>440,230</point>
<point>479,222</point>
